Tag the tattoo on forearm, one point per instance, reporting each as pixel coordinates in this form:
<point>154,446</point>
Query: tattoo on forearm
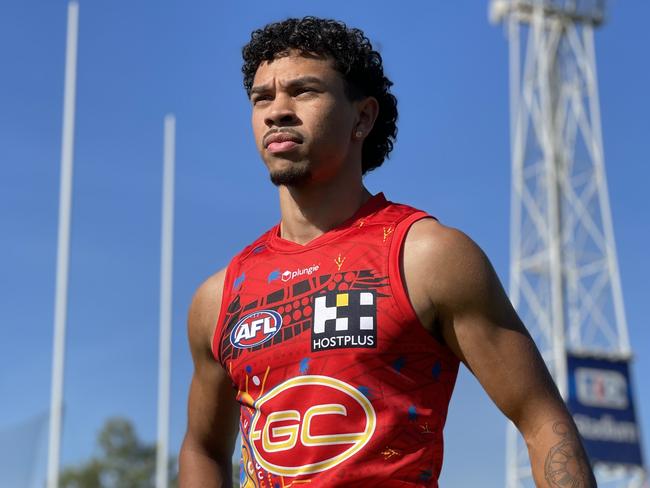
<point>566,464</point>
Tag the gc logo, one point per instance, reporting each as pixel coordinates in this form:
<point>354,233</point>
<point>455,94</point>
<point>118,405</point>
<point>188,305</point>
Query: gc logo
<point>312,437</point>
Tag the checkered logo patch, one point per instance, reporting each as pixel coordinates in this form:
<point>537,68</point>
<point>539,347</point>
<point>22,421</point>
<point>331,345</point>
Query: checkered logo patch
<point>344,319</point>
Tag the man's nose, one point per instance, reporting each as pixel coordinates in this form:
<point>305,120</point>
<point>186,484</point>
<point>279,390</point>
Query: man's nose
<point>281,112</point>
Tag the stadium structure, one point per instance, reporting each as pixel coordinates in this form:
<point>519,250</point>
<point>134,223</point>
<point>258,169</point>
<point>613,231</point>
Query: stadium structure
<point>564,277</point>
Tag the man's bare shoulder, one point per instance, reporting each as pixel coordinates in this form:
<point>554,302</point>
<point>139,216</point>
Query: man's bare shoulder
<point>208,294</point>
<point>435,237</point>
<point>445,260</point>
<point>204,310</point>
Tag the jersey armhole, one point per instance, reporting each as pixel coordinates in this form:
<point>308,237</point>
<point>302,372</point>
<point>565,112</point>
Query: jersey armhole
<point>215,344</point>
<point>397,285</point>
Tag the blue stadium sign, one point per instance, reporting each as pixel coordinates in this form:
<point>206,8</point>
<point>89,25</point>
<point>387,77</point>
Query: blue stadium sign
<point>601,402</point>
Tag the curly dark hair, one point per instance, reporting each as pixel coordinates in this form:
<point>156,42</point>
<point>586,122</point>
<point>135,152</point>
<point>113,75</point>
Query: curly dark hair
<point>353,55</point>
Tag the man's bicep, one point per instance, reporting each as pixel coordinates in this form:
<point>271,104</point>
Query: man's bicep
<point>212,408</point>
<point>508,365</point>
<point>213,412</point>
<point>483,329</point>
<point>504,358</point>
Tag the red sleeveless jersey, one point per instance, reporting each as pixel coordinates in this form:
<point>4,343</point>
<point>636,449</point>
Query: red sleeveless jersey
<point>338,381</point>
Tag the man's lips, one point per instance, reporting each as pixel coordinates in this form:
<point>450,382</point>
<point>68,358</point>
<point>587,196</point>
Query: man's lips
<point>281,141</point>
<point>276,147</point>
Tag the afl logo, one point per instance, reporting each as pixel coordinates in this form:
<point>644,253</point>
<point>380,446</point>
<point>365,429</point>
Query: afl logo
<point>318,420</point>
<point>255,328</point>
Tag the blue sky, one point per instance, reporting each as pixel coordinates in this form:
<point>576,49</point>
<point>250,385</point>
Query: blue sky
<point>141,60</point>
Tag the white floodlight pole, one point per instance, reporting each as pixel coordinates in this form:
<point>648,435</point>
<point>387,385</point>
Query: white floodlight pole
<point>166,264</point>
<point>63,249</point>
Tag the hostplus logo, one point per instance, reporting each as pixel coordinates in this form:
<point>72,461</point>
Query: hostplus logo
<point>344,319</point>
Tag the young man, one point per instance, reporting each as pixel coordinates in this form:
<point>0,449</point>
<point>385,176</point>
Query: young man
<point>333,341</point>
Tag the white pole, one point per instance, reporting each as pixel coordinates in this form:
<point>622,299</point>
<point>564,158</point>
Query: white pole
<point>166,260</point>
<point>63,250</point>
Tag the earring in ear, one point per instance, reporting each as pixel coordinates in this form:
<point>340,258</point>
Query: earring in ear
<point>358,134</point>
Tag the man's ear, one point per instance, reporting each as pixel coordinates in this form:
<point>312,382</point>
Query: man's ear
<point>367,111</point>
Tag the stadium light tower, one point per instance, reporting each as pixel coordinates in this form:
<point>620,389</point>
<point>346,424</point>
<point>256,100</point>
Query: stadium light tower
<point>564,277</point>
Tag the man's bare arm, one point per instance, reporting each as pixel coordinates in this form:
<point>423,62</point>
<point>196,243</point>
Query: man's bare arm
<point>206,453</point>
<point>474,317</point>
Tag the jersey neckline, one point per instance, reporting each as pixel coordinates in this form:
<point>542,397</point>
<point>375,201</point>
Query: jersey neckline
<point>372,205</point>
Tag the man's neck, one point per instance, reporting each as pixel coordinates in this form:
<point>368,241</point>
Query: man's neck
<point>310,211</point>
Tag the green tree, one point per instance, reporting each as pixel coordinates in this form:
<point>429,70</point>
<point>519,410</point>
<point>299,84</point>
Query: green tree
<point>124,461</point>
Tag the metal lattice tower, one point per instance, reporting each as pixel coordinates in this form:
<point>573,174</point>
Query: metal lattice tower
<point>564,277</point>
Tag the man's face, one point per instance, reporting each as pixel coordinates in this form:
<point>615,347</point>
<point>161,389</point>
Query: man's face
<point>302,118</point>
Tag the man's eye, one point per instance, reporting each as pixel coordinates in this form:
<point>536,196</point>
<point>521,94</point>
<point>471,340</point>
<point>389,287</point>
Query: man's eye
<point>262,98</point>
<point>304,89</point>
